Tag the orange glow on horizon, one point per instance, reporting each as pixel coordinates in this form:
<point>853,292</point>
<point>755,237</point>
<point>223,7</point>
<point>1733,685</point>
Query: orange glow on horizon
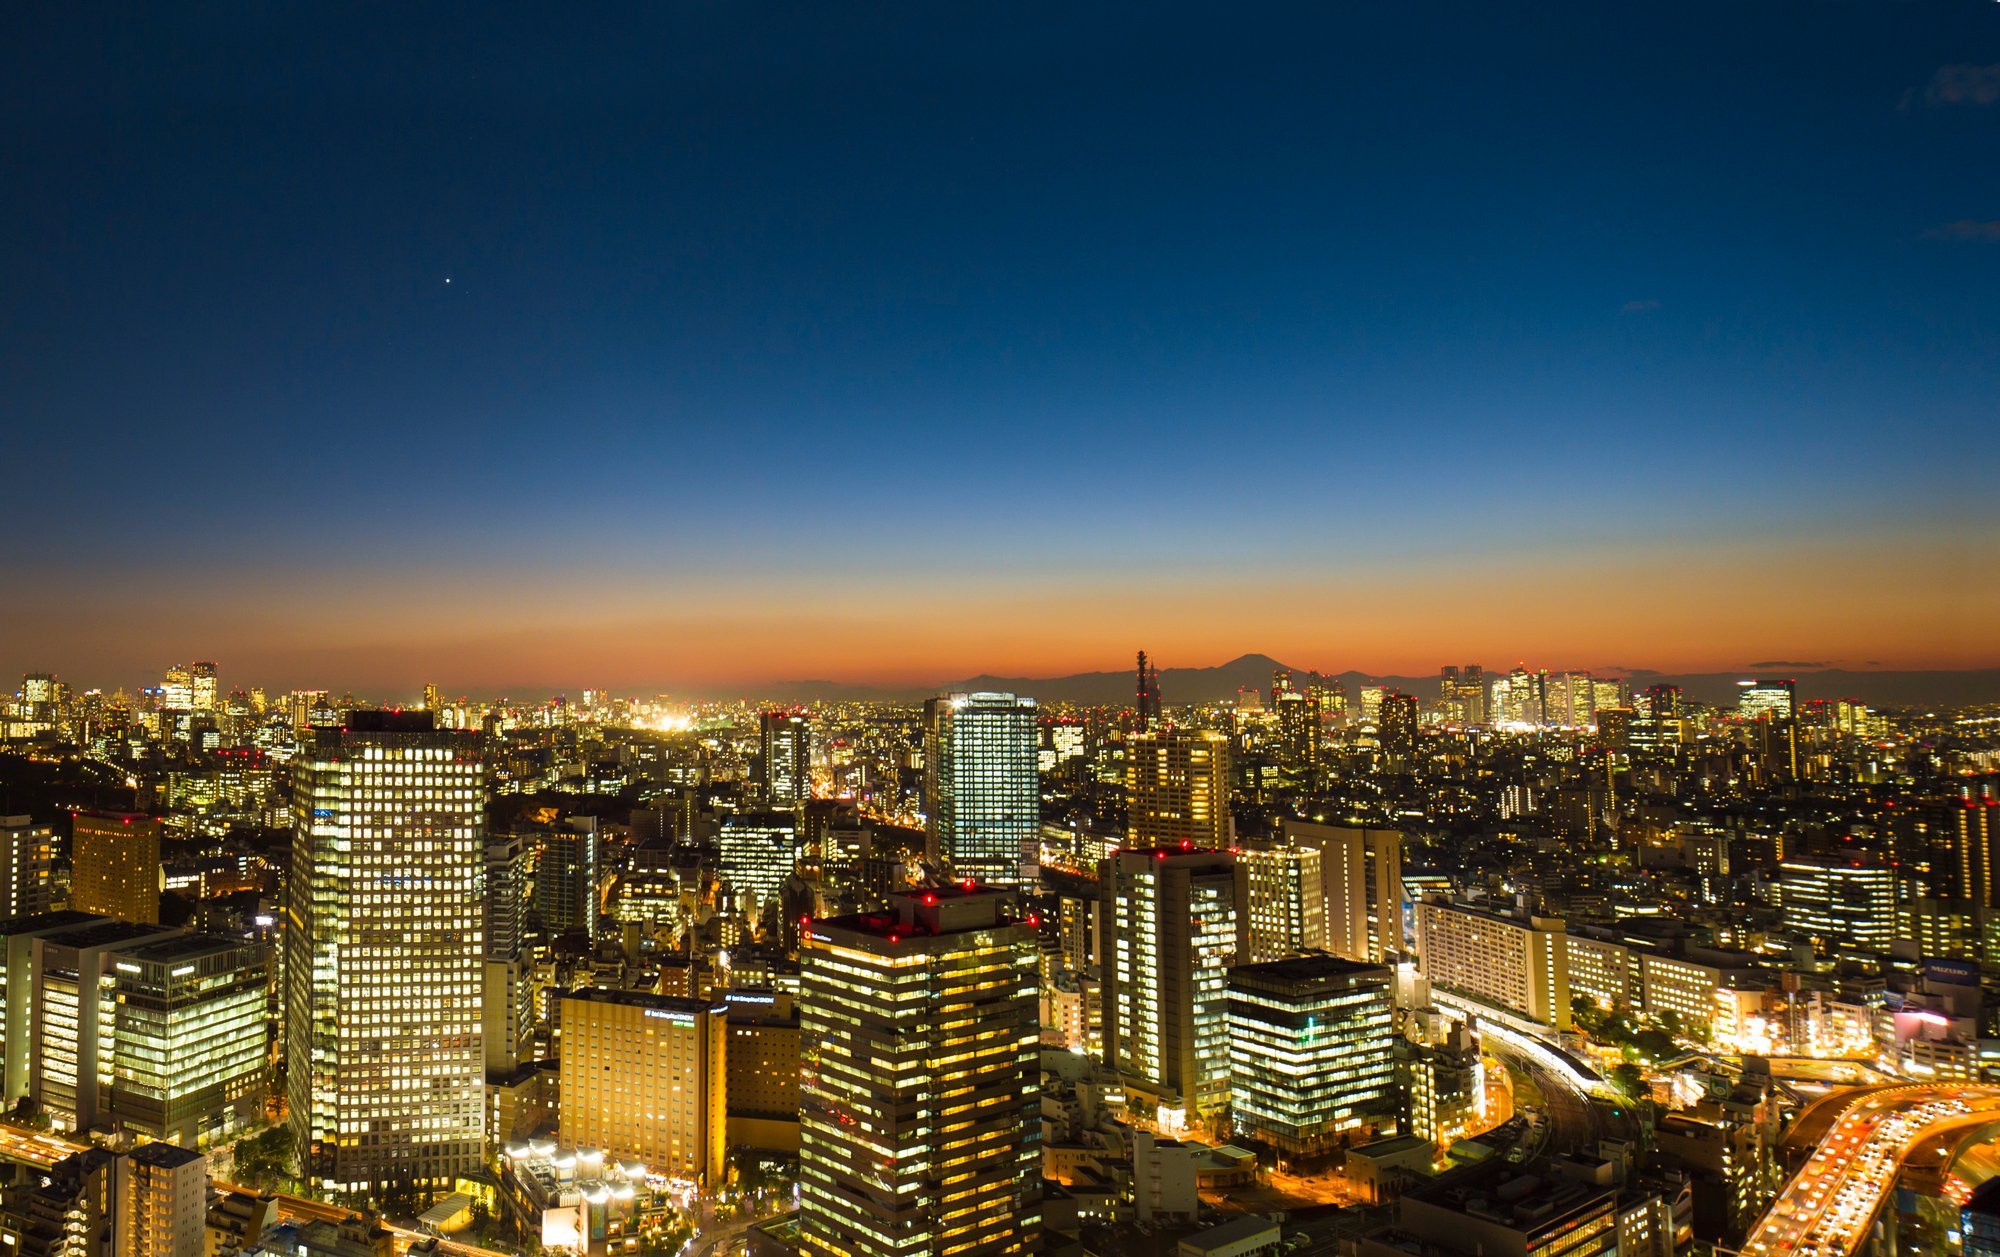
<point>1720,609</point>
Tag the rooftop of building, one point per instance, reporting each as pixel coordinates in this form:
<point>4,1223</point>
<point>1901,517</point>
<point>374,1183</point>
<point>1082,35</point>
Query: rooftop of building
<point>643,999</point>
<point>1318,970</point>
<point>1521,1199</point>
<point>42,922</point>
<point>188,946</point>
<point>931,912</point>
<point>1393,1146</point>
<point>103,932</point>
<point>165,1155</point>
<point>1230,1235</point>
<point>1175,852</point>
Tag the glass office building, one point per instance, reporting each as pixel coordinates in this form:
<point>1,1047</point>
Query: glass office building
<point>384,952</point>
<point>1313,1050</point>
<point>982,793</point>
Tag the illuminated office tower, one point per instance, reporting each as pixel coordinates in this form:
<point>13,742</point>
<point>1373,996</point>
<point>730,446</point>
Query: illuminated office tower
<point>982,795</point>
<point>1313,1051</point>
<point>645,1076</point>
<point>1960,839</point>
<point>1519,963</point>
<point>1172,937</point>
<point>1774,699</point>
<point>139,1027</point>
<point>1572,700</point>
<point>1362,870</point>
<point>919,1085</point>
<point>784,759</point>
<point>384,952</point>
<point>189,1038</point>
<point>758,851</point>
<point>1397,727</point>
<point>1371,704</point>
<point>1330,693</point>
<point>38,709</point>
<point>60,994</point>
<point>1280,902</point>
<point>115,865</point>
<point>1838,902</point>
<point>1514,699</point>
<point>1462,689</point>
<point>1177,788</point>
<point>1606,695</point>
<point>566,880</point>
<point>177,691</point>
<point>202,693</point>
<point>1298,732</point>
<point>27,861</point>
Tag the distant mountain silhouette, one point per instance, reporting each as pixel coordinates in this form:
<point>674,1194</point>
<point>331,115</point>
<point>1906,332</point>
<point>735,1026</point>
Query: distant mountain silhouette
<point>1253,671</point>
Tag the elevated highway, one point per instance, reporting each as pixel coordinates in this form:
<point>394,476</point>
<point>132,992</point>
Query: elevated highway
<point>1861,1141</point>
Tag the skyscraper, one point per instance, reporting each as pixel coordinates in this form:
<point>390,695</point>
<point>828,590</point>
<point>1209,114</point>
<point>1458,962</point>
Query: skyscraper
<point>1280,901</point>
<point>1298,733</point>
<point>1177,788</point>
<point>115,865</point>
<point>27,860</point>
<point>918,1098</point>
<point>202,692</point>
<point>1171,939</point>
<point>1398,727</point>
<point>758,851</point>
<point>507,1003</point>
<point>383,955</point>
<point>982,795</point>
<point>1313,1050</point>
<point>784,759</point>
<point>1838,902</point>
<point>1362,870</point>
<point>1462,691</point>
<point>566,879</point>
<point>1774,699</point>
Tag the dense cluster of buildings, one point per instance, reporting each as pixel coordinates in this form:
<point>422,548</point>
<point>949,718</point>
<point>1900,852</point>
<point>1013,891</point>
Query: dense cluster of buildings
<point>978,975</point>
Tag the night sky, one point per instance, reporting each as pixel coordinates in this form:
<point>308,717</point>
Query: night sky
<point>904,342</point>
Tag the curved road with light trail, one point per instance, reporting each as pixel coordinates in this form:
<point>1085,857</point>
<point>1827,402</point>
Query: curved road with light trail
<point>1829,1207</point>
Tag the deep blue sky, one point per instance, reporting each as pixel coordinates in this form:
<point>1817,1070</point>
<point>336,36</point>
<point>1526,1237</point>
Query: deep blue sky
<point>771,327</point>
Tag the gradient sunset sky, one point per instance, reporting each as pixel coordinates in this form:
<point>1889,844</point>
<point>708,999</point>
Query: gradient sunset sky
<point>898,343</point>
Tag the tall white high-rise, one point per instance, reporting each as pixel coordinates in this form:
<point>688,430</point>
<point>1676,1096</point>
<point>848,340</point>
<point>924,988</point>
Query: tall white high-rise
<point>784,759</point>
<point>982,795</point>
<point>384,952</point>
<point>1362,870</point>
